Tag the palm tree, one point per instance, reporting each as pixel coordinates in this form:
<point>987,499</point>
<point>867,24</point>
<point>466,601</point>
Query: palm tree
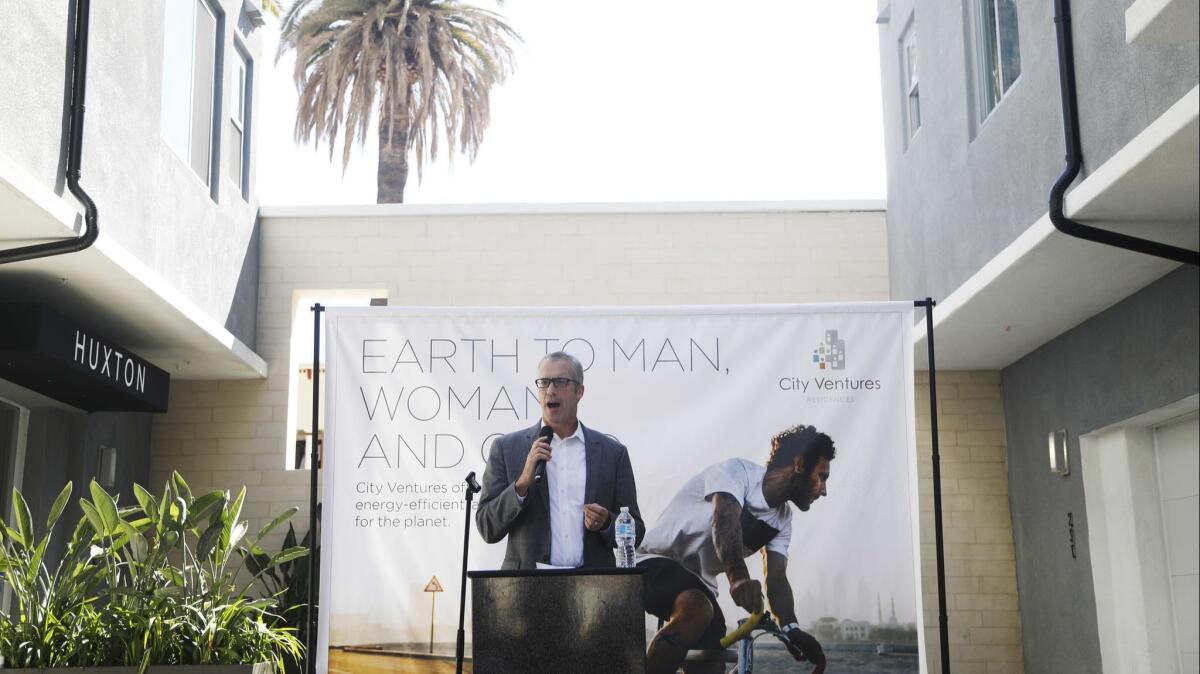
<point>426,67</point>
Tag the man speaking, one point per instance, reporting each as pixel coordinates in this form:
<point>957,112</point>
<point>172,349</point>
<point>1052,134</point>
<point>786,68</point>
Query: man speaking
<point>555,488</point>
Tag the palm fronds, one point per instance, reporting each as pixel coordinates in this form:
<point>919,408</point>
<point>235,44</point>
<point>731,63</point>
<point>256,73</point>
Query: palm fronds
<point>424,68</point>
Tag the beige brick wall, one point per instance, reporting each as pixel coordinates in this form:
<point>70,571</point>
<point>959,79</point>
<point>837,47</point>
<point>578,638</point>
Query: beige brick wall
<point>981,581</point>
<point>222,434</point>
<point>228,433</point>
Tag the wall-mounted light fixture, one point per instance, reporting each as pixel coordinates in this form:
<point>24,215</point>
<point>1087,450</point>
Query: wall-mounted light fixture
<point>106,466</point>
<point>1059,463</point>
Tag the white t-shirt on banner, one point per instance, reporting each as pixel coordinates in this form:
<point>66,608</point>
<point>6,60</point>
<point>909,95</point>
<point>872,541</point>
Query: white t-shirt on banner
<point>684,530</point>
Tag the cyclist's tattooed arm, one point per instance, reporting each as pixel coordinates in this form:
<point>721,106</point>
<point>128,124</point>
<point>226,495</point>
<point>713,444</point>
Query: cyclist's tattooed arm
<point>727,535</point>
<point>779,590</point>
<point>727,539</point>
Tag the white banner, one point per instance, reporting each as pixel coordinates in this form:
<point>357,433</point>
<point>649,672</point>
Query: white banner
<point>416,396</point>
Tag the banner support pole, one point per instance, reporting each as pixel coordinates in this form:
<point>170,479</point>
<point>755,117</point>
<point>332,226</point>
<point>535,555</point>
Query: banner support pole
<point>472,488</point>
<point>943,620</point>
<point>310,664</point>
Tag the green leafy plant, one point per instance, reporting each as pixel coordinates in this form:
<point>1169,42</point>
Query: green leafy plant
<point>160,583</point>
<point>288,583</point>
<point>55,618</point>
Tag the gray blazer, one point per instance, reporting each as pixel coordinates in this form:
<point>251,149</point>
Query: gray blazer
<point>609,483</point>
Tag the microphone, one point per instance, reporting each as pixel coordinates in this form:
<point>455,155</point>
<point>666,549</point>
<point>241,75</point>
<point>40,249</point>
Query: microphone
<point>472,484</point>
<point>540,471</point>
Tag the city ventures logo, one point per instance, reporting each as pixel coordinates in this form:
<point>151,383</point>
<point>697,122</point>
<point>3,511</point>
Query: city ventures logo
<point>829,355</point>
<point>831,352</point>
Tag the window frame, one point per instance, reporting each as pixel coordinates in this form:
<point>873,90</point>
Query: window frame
<point>238,109</point>
<point>991,79</point>
<point>210,176</point>
<point>241,116</point>
<point>911,82</point>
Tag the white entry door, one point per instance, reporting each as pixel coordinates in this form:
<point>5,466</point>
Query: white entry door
<point>1177,453</point>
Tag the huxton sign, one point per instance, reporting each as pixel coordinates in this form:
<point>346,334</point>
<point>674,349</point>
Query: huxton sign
<point>48,353</point>
<point>108,361</point>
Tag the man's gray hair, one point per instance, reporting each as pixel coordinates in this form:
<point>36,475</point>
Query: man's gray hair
<point>576,366</point>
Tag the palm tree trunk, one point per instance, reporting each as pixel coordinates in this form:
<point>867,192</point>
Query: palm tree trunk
<point>392,173</point>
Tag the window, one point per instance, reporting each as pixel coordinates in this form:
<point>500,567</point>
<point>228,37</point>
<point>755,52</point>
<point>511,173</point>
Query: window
<point>912,89</point>
<point>997,51</point>
<point>299,443</point>
<point>237,153</point>
<point>189,82</point>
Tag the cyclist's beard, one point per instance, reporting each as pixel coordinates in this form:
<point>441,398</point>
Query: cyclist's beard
<point>802,492</point>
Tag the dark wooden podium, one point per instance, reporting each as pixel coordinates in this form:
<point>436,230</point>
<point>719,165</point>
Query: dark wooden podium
<point>552,621</point>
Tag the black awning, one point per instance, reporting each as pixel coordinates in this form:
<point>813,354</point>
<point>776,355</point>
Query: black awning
<point>44,351</point>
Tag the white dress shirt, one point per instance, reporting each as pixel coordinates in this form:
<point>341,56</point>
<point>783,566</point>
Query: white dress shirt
<point>566,476</point>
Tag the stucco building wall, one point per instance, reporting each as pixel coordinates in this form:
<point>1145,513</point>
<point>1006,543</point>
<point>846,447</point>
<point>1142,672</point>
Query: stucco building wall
<point>150,201</point>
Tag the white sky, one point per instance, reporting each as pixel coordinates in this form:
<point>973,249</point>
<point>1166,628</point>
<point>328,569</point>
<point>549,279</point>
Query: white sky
<point>657,100</point>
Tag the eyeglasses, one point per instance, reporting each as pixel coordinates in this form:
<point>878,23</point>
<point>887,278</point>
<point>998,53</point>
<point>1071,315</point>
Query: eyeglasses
<point>558,382</point>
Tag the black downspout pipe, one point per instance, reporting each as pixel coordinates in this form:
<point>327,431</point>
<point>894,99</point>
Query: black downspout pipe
<point>1070,106</point>
<point>74,155</point>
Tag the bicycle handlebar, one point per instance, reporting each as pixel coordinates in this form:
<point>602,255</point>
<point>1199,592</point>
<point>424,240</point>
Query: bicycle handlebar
<point>742,630</point>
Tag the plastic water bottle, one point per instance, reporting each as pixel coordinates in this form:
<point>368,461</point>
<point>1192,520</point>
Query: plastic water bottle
<point>626,539</point>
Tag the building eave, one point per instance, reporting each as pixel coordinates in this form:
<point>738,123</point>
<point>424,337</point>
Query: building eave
<point>110,289</point>
<point>1044,283</point>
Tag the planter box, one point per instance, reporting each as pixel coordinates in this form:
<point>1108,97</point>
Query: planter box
<point>259,668</point>
<point>72,670</point>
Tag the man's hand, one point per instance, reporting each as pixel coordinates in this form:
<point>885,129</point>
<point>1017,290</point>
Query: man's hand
<point>747,593</point>
<point>595,517</point>
<point>538,451</point>
<point>803,646</point>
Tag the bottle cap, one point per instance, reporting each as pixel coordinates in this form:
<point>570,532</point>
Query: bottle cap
<point>624,509</point>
